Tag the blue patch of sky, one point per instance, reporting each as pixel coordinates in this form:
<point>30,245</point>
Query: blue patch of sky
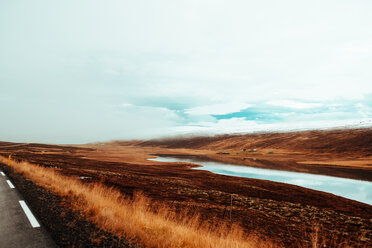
<point>175,104</point>
<point>258,114</point>
<point>271,114</point>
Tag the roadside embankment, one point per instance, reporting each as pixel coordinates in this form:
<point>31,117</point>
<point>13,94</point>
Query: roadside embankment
<point>68,227</point>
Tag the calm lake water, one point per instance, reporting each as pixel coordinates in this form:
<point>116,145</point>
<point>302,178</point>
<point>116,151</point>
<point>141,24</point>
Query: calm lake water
<point>348,188</point>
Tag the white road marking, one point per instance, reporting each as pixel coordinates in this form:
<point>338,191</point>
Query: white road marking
<point>10,184</point>
<point>29,215</point>
<point>2,173</point>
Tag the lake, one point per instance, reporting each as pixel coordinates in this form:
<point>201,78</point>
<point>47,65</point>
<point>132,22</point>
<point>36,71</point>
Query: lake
<point>349,188</point>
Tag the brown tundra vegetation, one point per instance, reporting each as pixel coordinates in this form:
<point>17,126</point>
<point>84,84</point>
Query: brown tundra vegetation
<point>156,204</point>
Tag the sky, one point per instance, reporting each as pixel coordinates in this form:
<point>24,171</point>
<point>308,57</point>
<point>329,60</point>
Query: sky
<point>78,71</point>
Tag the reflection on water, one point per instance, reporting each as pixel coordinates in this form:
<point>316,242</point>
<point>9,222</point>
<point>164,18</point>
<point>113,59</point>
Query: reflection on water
<point>348,188</point>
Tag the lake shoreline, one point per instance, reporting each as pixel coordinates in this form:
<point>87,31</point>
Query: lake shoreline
<point>344,187</point>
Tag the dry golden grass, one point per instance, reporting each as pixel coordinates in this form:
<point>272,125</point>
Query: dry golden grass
<point>137,219</point>
<point>148,223</point>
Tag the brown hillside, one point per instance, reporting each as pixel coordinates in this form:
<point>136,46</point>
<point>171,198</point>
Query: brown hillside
<point>354,141</point>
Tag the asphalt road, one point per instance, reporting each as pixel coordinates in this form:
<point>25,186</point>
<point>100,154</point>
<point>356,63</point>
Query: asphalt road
<point>18,226</point>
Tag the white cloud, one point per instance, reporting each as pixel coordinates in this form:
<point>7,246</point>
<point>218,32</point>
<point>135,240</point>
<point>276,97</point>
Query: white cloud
<point>127,105</point>
<point>231,125</point>
<point>294,104</point>
<point>240,125</point>
<point>152,114</point>
<point>218,109</point>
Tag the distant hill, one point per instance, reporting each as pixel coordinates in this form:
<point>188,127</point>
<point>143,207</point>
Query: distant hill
<point>353,141</point>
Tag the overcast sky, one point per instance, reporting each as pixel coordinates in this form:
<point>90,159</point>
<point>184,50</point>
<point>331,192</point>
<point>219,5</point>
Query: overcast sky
<point>76,71</point>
